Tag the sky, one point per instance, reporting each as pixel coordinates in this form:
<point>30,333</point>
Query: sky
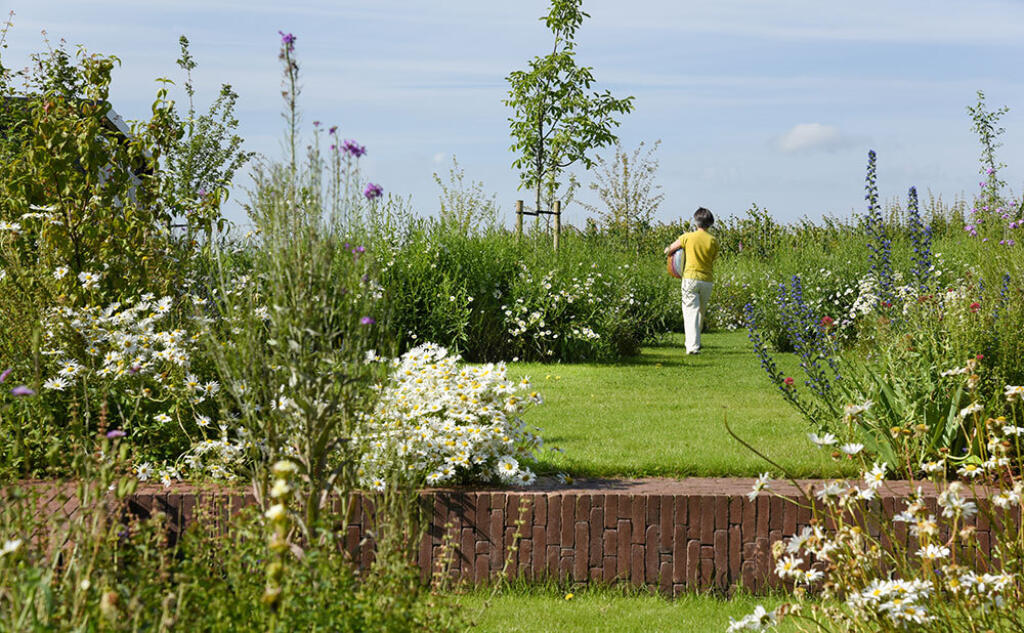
<point>773,103</point>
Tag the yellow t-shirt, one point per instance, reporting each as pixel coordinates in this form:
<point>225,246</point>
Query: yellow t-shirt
<point>701,250</point>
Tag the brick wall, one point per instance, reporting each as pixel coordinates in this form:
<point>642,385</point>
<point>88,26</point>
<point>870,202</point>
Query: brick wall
<point>677,536</point>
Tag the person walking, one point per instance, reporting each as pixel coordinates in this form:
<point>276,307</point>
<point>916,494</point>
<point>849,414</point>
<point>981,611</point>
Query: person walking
<point>698,275</point>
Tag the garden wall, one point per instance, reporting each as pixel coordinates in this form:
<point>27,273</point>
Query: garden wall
<point>674,535</point>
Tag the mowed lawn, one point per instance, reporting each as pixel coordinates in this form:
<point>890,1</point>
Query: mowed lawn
<point>607,610</point>
<point>662,414</point>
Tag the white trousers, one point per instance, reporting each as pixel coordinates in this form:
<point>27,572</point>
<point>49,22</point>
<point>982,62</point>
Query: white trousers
<point>696,295</point>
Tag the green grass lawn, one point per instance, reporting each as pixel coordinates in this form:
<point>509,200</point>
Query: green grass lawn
<point>606,610</point>
<point>661,414</point>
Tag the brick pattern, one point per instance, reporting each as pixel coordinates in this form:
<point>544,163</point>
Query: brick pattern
<point>673,542</point>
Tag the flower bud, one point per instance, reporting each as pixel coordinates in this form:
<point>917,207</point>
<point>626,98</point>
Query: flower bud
<point>284,469</point>
<point>277,513</point>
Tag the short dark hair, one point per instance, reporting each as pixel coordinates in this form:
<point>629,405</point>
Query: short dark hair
<point>703,218</point>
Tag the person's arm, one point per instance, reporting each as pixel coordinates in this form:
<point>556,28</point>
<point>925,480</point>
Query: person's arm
<point>674,246</point>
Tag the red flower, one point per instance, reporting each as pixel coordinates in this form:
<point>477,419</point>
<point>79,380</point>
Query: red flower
<point>788,381</point>
<point>827,321</point>
<point>975,306</point>
<point>979,357</point>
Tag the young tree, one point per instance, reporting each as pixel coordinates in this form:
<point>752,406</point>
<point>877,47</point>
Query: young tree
<point>556,121</point>
<point>625,184</point>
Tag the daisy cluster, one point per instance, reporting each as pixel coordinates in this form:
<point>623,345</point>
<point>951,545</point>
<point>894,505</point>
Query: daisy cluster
<point>133,348</point>
<point>534,321</point>
<point>867,577</point>
<point>442,421</point>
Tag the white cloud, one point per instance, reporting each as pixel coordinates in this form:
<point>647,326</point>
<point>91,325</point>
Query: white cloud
<point>809,137</point>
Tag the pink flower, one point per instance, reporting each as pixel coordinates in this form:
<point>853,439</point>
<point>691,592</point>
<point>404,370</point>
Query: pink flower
<point>788,381</point>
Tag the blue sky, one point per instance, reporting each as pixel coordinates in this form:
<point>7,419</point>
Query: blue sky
<point>774,103</point>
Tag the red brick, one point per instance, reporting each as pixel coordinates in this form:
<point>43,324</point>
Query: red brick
<point>638,517</point>
<point>693,518</point>
<point>553,564</point>
<point>984,551</point>
<point>721,512</point>
<point>511,557</point>
<point>693,564</point>
<point>526,558</point>
<point>424,559</point>
<point>636,565</point>
<point>680,513</point>
<point>565,568</point>
<point>736,509</point>
<point>540,543</point>
<point>707,573</point>
<point>667,508</point>
<point>651,559</point>
<point>789,518</point>
<point>653,510</point>
<point>583,505</point>
<point>622,549</point>
<point>352,537</point>
<point>775,513</point>
<point>748,524</point>
<point>721,559</point>
<point>468,549</point>
<point>735,551</point>
<point>611,510</point>
<point>482,569</point>
<point>482,516</point>
<point>496,534</point>
<point>608,568</point>
<point>707,519</point>
<point>764,556</point>
<point>540,509</point>
<point>665,578</point>
<point>597,545</point>
<point>761,529</point>
<point>582,550</point>
<point>803,514</point>
<point>625,506</point>
<point>568,521</point>
<point>679,554</point>
<point>748,575</point>
<point>554,531</point>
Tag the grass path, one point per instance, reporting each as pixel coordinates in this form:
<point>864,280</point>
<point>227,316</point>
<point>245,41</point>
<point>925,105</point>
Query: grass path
<point>607,610</point>
<point>661,414</point>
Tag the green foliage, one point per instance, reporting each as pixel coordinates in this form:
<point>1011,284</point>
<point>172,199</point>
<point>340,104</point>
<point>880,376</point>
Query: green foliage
<point>203,161</point>
<point>555,121</point>
<point>626,187</point>
<point>986,126</point>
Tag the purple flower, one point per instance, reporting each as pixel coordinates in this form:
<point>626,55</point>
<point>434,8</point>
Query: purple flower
<point>372,191</point>
<point>134,369</point>
<point>334,128</point>
<point>367,320</point>
<point>353,149</point>
<point>22,390</point>
<point>360,249</point>
<point>6,373</point>
<point>287,40</point>
<point>316,124</point>
<point>116,433</point>
<point>201,193</point>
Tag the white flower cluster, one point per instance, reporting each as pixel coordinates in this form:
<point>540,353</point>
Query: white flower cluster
<point>126,346</point>
<point>759,620</point>
<point>439,420</point>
